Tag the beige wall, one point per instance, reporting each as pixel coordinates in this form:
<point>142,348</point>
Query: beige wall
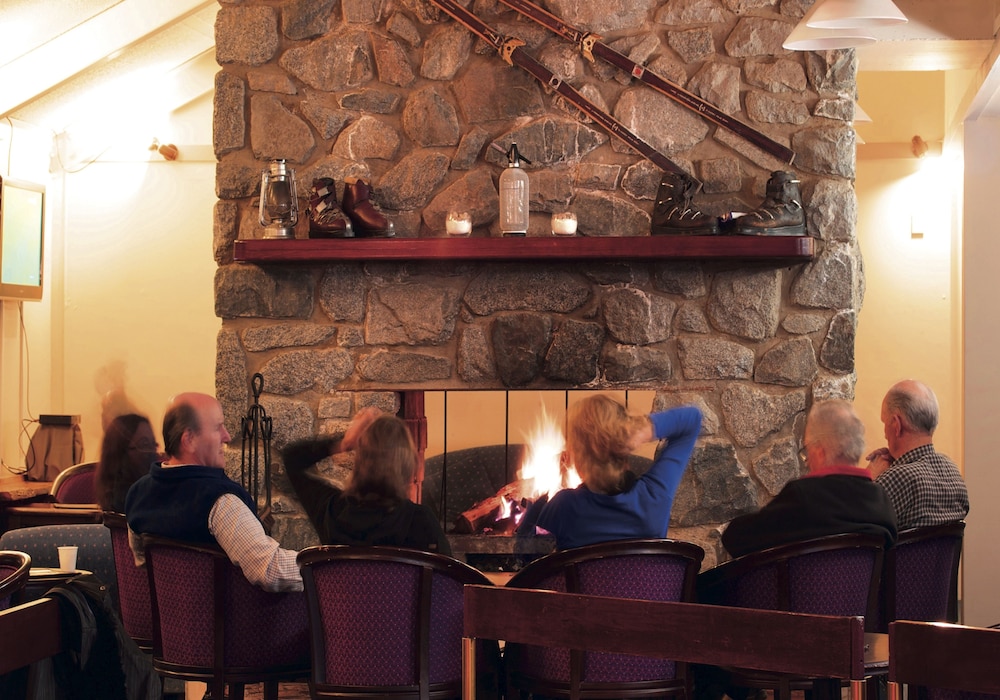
<point>982,378</point>
<point>909,320</point>
<point>129,299</point>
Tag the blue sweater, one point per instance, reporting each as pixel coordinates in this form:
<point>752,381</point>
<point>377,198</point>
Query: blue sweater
<point>175,502</point>
<point>577,517</point>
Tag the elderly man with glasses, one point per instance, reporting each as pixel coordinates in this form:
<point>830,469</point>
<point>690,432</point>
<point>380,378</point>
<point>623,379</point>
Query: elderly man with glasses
<point>836,496</point>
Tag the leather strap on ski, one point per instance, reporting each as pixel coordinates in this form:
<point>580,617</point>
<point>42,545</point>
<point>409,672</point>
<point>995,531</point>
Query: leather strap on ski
<point>591,45</point>
<point>511,52</point>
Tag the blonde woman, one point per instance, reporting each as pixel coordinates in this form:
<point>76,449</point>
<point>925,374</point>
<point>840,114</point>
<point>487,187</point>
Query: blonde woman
<point>612,503</point>
<point>374,507</point>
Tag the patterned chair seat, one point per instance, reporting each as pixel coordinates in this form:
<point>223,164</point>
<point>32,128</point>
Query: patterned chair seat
<point>94,552</point>
<point>658,570</point>
<point>387,622</point>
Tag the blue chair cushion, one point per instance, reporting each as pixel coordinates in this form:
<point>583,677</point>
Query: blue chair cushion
<point>95,553</point>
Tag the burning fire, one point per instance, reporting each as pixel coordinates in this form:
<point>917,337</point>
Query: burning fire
<point>544,470</point>
<point>544,465</point>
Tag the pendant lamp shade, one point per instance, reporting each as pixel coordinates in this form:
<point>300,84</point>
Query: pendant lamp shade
<point>807,38</point>
<point>854,14</point>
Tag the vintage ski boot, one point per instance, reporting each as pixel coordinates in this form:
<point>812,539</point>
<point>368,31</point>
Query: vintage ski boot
<point>368,221</point>
<point>675,213</point>
<point>781,212</point>
<point>326,220</point>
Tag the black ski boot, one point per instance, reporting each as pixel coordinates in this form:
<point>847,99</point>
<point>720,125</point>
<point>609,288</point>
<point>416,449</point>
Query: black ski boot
<point>781,212</point>
<point>675,213</point>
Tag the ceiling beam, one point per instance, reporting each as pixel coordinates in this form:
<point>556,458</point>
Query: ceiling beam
<point>87,44</point>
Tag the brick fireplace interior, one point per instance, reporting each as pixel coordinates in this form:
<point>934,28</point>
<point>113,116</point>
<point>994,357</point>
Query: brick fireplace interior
<point>402,96</point>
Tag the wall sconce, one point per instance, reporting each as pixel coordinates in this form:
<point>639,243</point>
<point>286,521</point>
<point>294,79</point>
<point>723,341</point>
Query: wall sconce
<point>279,205</point>
<point>841,24</point>
<point>168,150</point>
<point>919,147</point>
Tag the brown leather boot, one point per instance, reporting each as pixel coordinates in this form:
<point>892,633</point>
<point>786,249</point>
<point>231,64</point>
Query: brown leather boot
<point>781,212</point>
<point>675,212</point>
<point>326,220</point>
<point>368,221</point>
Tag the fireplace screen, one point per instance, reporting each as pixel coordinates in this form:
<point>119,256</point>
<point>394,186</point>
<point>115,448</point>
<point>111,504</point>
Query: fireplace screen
<point>491,453</point>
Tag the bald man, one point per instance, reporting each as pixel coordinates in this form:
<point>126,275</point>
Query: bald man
<point>924,485</point>
<point>189,497</point>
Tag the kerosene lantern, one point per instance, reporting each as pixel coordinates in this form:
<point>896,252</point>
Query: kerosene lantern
<point>279,205</point>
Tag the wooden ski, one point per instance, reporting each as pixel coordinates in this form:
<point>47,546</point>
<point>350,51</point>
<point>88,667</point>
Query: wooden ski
<point>511,52</point>
<point>591,45</point>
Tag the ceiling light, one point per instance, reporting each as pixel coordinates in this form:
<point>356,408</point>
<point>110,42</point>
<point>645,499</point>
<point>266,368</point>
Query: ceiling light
<point>853,14</point>
<point>805,38</point>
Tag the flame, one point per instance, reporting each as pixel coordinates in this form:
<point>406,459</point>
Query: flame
<point>543,466</point>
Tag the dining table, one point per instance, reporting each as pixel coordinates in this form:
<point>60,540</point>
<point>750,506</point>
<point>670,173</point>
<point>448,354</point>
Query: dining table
<point>16,491</point>
<point>34,514</point>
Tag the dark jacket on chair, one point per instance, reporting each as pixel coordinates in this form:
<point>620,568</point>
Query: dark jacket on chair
<point>834,501</point>
<point>102,661</point>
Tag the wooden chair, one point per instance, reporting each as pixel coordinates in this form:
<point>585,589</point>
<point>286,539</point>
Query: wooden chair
<point>133,585</point>
<point>943,661</point>
<point>653,570</point>
<point>210,624</point>
<point>14,571</point>
<point>386,622</point>
<point>834,575</point>
<point>920,576</point>
<point>75,484</point>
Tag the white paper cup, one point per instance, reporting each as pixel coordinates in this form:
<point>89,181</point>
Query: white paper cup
<point>67,558</point>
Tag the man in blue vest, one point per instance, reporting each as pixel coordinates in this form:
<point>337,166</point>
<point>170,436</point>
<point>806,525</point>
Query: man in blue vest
<point>189,497</point>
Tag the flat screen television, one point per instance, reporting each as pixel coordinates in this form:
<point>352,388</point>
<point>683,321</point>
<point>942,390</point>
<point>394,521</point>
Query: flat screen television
<point>22,234</point>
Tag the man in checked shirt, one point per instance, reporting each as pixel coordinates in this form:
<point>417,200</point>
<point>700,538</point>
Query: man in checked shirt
<point>925,486</point>
<point>189,497</point>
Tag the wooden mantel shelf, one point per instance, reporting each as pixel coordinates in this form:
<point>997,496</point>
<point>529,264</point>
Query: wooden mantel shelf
<point>791,249</point>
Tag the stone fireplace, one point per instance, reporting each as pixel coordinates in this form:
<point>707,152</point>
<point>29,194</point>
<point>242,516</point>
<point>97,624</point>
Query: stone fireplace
<point>402,96</point>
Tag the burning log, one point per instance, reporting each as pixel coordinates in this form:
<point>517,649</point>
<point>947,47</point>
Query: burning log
<point>494,508</point>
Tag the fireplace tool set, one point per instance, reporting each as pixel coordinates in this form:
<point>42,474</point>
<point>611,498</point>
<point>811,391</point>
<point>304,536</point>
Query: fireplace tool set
<point>255,459</point>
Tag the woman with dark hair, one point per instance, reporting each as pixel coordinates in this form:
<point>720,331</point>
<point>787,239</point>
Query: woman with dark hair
<point>374,507</point>
<point>127,451</point>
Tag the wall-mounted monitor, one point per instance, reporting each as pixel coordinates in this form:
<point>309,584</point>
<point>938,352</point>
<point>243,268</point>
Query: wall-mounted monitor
<point>22,235</point>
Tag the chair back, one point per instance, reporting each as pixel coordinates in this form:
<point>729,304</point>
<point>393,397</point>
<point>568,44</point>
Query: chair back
<point>14,567</point>
<point>386,621</point>
<point>211,624</point>
<point>94,552</point>
<point>133,584</point>
<point>834,575</point>
<point>655,570</point>
<point>920,576</point>
<point>75,484</point>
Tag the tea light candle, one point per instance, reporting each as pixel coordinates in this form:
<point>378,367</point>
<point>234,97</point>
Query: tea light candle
<point>564,224</point>
<point>458,223</point>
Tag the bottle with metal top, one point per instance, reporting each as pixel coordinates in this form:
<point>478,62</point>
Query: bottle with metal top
<point>514,195</point>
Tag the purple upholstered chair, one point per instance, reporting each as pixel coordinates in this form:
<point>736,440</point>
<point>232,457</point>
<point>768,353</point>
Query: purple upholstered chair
<point>386,622</point>
<point>75,484</point>
<point>14,568</point>
<point>133,585</point>
<point>212,625</point>
<point>920,576</point>
<point>835,575</point>
<point>658,570</point>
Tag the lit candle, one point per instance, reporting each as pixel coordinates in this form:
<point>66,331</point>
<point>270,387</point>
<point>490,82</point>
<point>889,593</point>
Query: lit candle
<point>458,223</point>
<point>564,224</point>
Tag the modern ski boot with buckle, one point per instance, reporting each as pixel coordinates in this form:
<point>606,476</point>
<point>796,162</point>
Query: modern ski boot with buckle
<point>675,213</point>
<point>326,220</point>
<point>368,221</point>
<point>780,214</point>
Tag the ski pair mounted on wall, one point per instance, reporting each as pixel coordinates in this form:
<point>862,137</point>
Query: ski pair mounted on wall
<point>591,46</point>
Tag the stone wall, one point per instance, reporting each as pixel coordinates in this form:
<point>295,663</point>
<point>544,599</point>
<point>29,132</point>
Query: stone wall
<point>401,95</point>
